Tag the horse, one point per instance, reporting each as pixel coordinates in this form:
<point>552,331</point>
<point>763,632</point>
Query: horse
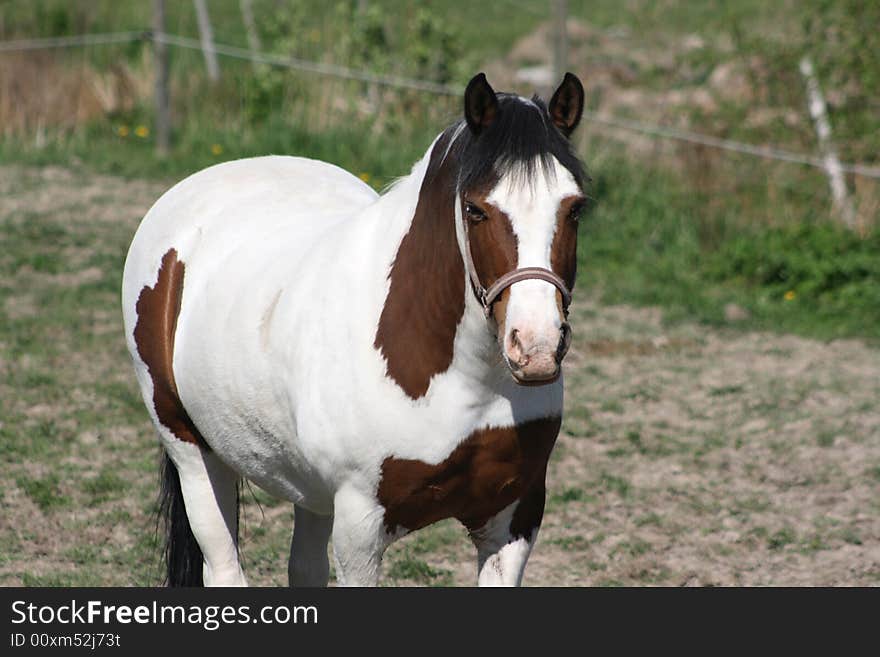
<point>383,361</point>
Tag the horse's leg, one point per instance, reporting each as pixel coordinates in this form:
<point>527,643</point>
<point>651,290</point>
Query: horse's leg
<point>309,564</point>
<point>505,542</point>
<point>359,537</point>
<point>210,493</point>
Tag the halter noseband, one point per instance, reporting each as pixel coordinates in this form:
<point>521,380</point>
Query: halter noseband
<point>488,296</point>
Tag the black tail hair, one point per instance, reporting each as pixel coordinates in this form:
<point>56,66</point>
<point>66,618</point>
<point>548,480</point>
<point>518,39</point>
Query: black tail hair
<point>182,556</point>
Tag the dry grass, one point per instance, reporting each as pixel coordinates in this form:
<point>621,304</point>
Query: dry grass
<point>41,94</point>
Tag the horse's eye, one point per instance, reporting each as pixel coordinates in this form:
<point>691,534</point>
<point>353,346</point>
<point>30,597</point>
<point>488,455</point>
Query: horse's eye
<point>474,213</point>
<point>576,211</point>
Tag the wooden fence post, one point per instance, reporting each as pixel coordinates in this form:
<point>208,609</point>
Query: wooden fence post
<point>250,26</point>
<point>207,36</point>
<point>163,111</point>
<point>560,45</point>
<point>842,205</point>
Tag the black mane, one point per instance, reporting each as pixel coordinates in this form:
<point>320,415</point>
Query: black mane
<point>521,138</point>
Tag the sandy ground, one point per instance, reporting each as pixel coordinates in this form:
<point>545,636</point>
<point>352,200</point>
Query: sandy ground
<point>689,455</point>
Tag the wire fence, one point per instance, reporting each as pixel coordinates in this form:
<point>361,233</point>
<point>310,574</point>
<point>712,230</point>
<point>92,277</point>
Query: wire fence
<point>426,86</point>
<point>308,66</point>
<point>73,41</point>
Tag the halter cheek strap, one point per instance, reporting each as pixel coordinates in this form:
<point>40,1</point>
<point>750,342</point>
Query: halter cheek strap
<point>488,296</point>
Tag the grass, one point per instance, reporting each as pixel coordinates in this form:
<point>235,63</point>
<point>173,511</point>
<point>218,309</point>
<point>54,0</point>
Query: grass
<point>107,485</point>
<point>781,538</point>
<point>569,495</point>
<point>576,543</point>
<point>648,241</point>
<point>407,567</point>
<point>44,491</point>
<point>615,484</point>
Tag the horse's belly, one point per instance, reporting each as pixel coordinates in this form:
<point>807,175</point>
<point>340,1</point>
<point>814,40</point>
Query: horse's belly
<point>275,465</point>
<point>233,382</point>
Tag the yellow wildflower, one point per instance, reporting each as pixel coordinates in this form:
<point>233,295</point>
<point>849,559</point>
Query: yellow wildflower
<point>122,131</point>
<point>142,131</point>
<point>790,295</point>
<point>216,149</point>
<point>364,176</point>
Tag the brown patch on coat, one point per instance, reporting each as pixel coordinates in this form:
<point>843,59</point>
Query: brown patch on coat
<point>499,314</point>
<point>494,246</point>
<point>157,310</point>
<point>425,299</point>
<point>493,242</point>
<point>488,471</point>
<point>563,251</point>
<point>530,511</point>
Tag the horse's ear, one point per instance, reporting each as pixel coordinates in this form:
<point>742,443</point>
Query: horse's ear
<point>567,104</point>
<point>480,104</point>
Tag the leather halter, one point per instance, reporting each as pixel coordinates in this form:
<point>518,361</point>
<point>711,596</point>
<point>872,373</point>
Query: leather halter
<point>488,296</point>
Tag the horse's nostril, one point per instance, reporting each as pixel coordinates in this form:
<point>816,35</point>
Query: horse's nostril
<point>516,352</point>
<point>564,341</point>
<point>514,339</point>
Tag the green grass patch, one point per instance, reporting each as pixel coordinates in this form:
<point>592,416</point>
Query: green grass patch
<point>825,437</point>
<point>569,495</point>
<point>83,576</point>
<point>107,485</point>
<point>851,536</point>
<point>83,554</point>
<point>577,421</point>
<point>652,239</point>
<point>572,543</point>
<point>633,548</point>
<point>813,543</point>
<point>615,484</point>
<point>45,491</point>
<point>648,519</point>
<point>410,568</point>
<point>611,406</point>
<point>439,536</point>
<point>781,538</point>
<point>721,391</point>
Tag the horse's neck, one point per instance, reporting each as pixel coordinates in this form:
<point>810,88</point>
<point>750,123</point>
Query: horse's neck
<point>430,318</point>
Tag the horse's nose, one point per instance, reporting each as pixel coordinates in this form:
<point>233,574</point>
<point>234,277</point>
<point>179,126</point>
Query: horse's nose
<point>536,358</point>
<point>564,341</point>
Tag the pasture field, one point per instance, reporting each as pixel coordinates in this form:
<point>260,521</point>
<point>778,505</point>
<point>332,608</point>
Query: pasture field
<point>691,453</point>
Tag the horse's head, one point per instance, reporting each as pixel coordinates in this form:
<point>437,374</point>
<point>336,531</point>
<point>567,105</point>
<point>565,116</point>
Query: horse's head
<point>518,203</point>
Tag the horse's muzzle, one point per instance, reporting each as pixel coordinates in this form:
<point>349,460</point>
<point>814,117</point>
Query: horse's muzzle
<point>536,360</point>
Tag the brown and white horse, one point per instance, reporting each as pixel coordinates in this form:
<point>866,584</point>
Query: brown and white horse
<point>383,362</point>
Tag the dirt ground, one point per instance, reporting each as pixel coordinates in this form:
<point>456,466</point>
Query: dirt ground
<point>689,455</point>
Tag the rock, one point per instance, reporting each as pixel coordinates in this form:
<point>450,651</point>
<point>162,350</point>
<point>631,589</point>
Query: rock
<point>730,81</point>
<point>538,76</point>
<point>735,313</point>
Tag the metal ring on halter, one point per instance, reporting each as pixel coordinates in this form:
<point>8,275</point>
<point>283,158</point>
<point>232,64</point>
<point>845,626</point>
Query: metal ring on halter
<point>488,296</point>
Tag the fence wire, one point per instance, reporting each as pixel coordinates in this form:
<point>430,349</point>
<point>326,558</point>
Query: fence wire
<point>73,41</point>
<point>426,86</point>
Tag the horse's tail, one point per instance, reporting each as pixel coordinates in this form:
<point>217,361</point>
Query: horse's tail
<point>183,556</point>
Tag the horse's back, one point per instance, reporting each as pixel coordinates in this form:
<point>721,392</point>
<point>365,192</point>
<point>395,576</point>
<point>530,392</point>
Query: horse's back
<point>249,195</point>
<point>232,206</point>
